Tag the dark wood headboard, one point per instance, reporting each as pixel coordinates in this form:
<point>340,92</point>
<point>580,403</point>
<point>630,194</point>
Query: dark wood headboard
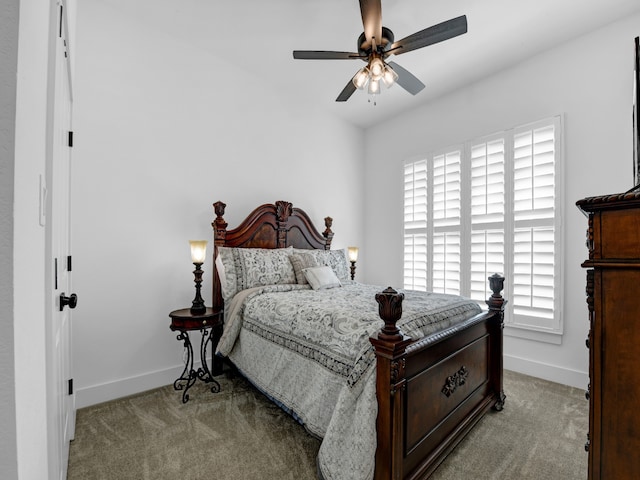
<point>278,225</point>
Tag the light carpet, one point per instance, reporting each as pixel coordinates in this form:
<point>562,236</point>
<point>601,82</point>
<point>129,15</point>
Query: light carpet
<point>238,434</point>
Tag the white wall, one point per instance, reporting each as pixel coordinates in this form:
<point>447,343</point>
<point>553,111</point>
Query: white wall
<point>589,81</point>
<point>163,130</point>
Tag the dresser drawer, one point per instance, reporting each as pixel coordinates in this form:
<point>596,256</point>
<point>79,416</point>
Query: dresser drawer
<point>617,234</point>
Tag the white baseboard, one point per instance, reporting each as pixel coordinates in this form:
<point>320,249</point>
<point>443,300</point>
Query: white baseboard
<point>123,387</point>
<point>105,392</point>
<point>553,373</point>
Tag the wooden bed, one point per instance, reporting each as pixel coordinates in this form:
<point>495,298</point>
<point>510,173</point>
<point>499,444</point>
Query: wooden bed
<point>430,392</point>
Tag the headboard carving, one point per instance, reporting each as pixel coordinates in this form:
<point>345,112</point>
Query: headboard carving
<point>278,225</point>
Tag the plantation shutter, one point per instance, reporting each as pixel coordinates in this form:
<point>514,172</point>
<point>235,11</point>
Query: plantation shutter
<point>487,203</point>
<point>447,222</point>
<point>534,214</point>
<point>415,224</point>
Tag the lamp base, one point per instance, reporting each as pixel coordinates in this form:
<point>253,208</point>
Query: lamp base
<point>197,306</point>
<point>198,309</point>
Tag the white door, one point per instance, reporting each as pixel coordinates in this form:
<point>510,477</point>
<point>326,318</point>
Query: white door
<point>61,399</point>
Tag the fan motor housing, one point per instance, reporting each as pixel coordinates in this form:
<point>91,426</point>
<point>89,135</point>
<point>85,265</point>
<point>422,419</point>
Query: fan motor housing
<point>385,44</point>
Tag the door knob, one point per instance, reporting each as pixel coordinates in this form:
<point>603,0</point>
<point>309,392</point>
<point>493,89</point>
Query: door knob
<point>71,300</point>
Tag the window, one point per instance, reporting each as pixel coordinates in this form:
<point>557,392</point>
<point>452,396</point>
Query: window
<point>491,205</point>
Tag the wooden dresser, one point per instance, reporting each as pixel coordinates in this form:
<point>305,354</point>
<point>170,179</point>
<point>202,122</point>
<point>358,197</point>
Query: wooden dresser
<point>613,298</point>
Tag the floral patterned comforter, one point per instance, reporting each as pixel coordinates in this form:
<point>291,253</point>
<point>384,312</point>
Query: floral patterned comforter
<point>309,351</point>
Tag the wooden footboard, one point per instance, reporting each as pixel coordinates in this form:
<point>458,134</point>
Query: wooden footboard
<point>431,392</point>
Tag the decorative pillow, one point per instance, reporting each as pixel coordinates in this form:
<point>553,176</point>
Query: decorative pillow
<point>336,259</point>
<point>228,284</point>
<point>254,267</point>
<point>321,277</point>
<point>221,272</point>
<point>300,261</point>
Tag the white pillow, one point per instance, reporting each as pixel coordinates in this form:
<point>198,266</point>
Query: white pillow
<point>321,277</point>
<point>221,274</point>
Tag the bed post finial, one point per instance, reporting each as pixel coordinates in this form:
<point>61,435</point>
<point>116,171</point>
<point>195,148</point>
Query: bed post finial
<point>496,284</point>
<point>219,207</point>
<point>219,225</point>
<point>283,212</point>
<point>390,310</point>
<point>328,234</point>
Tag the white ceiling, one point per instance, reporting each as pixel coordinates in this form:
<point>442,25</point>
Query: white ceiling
<point>260,35</point>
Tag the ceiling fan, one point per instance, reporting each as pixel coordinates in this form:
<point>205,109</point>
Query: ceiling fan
<point>376,43</point>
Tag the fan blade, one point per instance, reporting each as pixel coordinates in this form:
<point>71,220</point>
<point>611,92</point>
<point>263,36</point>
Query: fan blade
<point>371,11</point>
<point>406,79</point>
<point>346,92</point>
<point>429,36</point>
<point>324,55</point>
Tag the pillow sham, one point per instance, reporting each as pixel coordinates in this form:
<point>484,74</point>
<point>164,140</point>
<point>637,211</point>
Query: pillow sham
<point>228,282</point>
<point>300,261</point>
<point>321,278</point>
<point>221,272</point>
<point>254,267</point>
<point>336,259</point>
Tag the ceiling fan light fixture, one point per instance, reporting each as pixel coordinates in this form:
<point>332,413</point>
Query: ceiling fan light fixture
<point>374,87</point>
<point>361,78</point>
<point>376,43</point>
<point>389,77</point>
<point>376,66</point>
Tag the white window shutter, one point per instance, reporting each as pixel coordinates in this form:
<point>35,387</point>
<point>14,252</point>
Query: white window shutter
<point>535,269</point>
<point>447,193</point>
<point>533,272</point>
<point>415,261</point>
<point>415,224</point>
<point>446,189</point>
<point>487,172</point>
<point>534,173</point>
<point>487,182</point>
<point>446,262</point>
<point>415,194</point>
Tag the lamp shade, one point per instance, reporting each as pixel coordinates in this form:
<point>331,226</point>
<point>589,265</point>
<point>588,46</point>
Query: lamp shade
<point>389,77</point>
<point>361,78</point>
<point>353,254</point>
<point>376,66</point>
<point>374,86</point>
<point>198,250</point>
